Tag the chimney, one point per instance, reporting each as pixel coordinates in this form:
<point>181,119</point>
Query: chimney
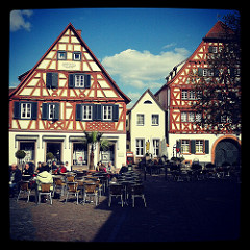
<point>79,32</point>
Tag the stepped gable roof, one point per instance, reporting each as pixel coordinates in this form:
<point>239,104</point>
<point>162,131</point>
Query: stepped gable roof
<point>25,75</point>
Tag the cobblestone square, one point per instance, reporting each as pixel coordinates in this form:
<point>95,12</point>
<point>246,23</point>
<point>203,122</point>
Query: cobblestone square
<point>207,210</point>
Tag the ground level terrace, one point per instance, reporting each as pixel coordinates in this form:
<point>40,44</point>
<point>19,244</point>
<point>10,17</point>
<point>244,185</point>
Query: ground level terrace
<point>69,148</point>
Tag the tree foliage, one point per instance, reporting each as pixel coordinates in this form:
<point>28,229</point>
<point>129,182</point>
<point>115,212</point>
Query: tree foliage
<point>218,86</point>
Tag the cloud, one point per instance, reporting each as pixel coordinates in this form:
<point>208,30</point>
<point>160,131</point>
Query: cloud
<point>17,20</point>
<point>169,46</point>
<point>143,69</point>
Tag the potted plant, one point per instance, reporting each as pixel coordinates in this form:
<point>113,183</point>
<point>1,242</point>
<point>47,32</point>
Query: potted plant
<point>20,154</point>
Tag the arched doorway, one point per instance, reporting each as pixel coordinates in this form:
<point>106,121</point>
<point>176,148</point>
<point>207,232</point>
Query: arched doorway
<point>227,150</point>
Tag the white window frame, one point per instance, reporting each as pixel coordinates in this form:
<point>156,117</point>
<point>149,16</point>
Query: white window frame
<point>79,80</point>
<point>155,120</point>
<point>77,53</point>
<point>140,120</point>
<point>185,146</point>
<point>184,116</point>
<point>192,95</point>
<point>199,146</point>
<point>25,110</point>
<point>87,112</point>
<point>52,111</point>
<point>107,113</point>
<point>140,145</point>
<point>184,94</point>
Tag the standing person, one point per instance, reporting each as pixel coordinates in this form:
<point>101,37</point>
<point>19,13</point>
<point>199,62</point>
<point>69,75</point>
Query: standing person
<point>15,177</point>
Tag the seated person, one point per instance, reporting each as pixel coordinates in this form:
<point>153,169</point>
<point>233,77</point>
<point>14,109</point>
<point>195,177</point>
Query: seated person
<point>15,177</point>
<point>27,172</point>
<point>44,177</point>
<point>62,169</point>
<point>124,169</point>
<point>54,167</point>
<point>39,168</point>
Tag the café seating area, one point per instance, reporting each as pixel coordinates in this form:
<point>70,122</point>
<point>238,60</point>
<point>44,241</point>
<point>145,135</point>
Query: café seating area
<point>85,187</point>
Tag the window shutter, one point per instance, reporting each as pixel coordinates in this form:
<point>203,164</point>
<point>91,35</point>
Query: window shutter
<point>17,110</point>
<point>54,82</point>
<point>57,110</point>
<point>71,81</point>
<point>33,111</point>
<point>193,149</point>
<point>87,81</point>
<point>200,72</point>
<point>78,112</point>
<point>206,147</point>
<point>48,80</point>
<point>115,112</point>
<point>45,111</point>
<point>97,112</point>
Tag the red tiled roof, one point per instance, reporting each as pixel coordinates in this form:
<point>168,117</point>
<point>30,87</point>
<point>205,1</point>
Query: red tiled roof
<point>219,30</point>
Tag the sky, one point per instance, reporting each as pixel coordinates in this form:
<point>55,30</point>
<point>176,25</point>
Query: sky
<point>138,47</point>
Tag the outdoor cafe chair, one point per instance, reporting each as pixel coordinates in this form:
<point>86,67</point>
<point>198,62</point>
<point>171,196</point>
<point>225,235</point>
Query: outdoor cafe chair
<point>45,190</point>
<point>58,183</point>
<point>91,191</point>
<point>137,190</point>
<point>24,188</point>
<point>72,189</point>
<point>117,191</point>
<point>70,178</point>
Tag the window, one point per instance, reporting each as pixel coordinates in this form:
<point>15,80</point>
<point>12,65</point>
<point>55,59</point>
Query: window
<point>139,147</point>
<point>184,116</point>
<point>185,146</point>
<point>199,146</point>
<point>140,120</point>
<point>25,110</point>
<point>52,111</point>
<point>107,113</point>
<point>52,80</point>
<point>184,95</point>
<point>156,147</point>
<point>77,56</point>
<point>87,112</point>
<point>198,117</point>
<point>61,55</point>
<point>212,49</point>
<point>192,95</point>
<point>155,120</point>
<point>192,116</point>
<point>79,80</point>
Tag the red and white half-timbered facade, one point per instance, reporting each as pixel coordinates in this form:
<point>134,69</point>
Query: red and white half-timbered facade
<point>65,93</point>
<point>177,95</point>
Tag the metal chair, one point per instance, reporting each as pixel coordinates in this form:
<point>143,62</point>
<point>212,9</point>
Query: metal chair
<point>91,191</point>
<point>45,191</point>
<point>115,190</point>
<point>72,189</point>
<point>24,188</point>
<point>58,183</point>
<point>137,190</point>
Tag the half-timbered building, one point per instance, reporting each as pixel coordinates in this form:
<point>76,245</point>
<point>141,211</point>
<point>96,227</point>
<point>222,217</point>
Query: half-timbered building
<point>177,95</point>
<point>65,93</point>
